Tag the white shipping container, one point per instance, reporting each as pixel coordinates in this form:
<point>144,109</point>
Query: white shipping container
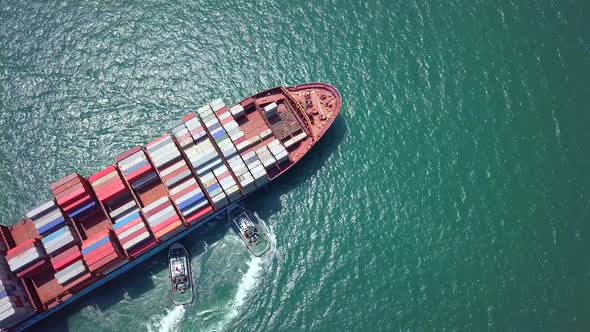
<point>203,109</point>
<point>182,186</point>
<point>40,208</point>
<point>122,209</point>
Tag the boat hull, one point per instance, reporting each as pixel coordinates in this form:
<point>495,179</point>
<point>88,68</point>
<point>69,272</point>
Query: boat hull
<point>318,126</point>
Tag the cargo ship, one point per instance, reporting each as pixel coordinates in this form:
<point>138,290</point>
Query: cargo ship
<point>96,228</point>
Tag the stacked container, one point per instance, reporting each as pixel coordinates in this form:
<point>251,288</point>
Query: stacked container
<point>267,159</point>
<point>71,272</point>
<point>137,169</point>
<point>178,177</point>
<point>27,258</point>
<point>221,126</point>
<point>295,139</point>
<point>102,253</point>
<point>66,258</point>
<point>14,304</point>
<point>256,168</point>
<point>129,225</point>
<point>270,110</point>
<point>218,130</point>
<point>278,151</point>
<point>241,171</point>
<point>132,232</point>
<point>237,111</point>
<point>73,194</point>
<point>60,240</point>
<point>239,140</point>
<point>47,217</point>
<point>107,184</point>
<point>163,219</point>
<point>202,156</point>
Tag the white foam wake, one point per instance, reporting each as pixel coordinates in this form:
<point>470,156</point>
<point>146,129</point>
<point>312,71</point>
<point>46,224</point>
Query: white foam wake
<point>168,322</point>
<point>247,283</point>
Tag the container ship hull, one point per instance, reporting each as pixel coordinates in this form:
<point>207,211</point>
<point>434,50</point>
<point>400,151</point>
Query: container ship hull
<point>98,227</point>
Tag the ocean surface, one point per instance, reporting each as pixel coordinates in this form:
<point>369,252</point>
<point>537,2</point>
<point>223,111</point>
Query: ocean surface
<point>451,194</point>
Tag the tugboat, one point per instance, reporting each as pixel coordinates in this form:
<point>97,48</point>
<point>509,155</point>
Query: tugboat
<point>252,235</point>
<point>180,275</point>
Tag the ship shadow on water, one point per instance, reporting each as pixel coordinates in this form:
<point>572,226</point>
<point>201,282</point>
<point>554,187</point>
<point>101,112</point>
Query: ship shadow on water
<point>139,280</point>
<point>267,202</point>
<point>133,284</point>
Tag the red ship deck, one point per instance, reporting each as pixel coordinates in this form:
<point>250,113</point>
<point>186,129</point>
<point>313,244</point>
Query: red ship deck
<point>305,112</point>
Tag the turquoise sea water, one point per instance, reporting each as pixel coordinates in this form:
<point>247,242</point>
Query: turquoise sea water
<point>452,194</point>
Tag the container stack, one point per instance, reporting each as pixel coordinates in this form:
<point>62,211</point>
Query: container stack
<point>163,219</point>
<point>241,171</point>
<point>270,110</point>
<point>256,168</point>
<point>217,129</point>
<point>137,169</point>
<point>179,179</point>
<point>132,232</point>
<point>107,185</point>
<point>278,151</point>
<point>60,240</point>
<point>227,183</point>
<point>267,159</point>
<point>235,133</point>
<point>295,139</point>
<point>237,111</point>
<point>27,258</point>
<point>14,303</point>
<point>47,217</point>
<point>203,156</point>
<point>66,258</point>
<point>71,272</point>
<point>102,253</point>
<point>74,195</point>
<point>120,203</point>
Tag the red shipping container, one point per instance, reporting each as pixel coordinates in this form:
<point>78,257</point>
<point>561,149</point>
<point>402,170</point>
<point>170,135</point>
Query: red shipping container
<point>130,224</point>
<point>185,191</point>
<point>65,187</point>
<point>144,170</point>
<point>188,117</point>
<point>102,173</point>
<point>128,153</point>
<point>33,269</point>
<point>112,192</point>
<point>164,223</point>
<point>227,120</point>
<point>133,235</point>
<point>105,263</point>
<point>75,193</point>
<point>79,283</point>
<point>78,202</point>
<point>21,248</point>
<point>157,209</point>
<point>114,180</point>
<point>154,142</point>
<point>99,252</point>
<point>175,173</point>
<point>203,212</point>
<point>175,226</point>
<point>63,181</point>
<point>98,236</point>
<point>66,258</point>
<point>184,137</point>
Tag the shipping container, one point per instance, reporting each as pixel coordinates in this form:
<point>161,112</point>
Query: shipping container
<point>75,197</point>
